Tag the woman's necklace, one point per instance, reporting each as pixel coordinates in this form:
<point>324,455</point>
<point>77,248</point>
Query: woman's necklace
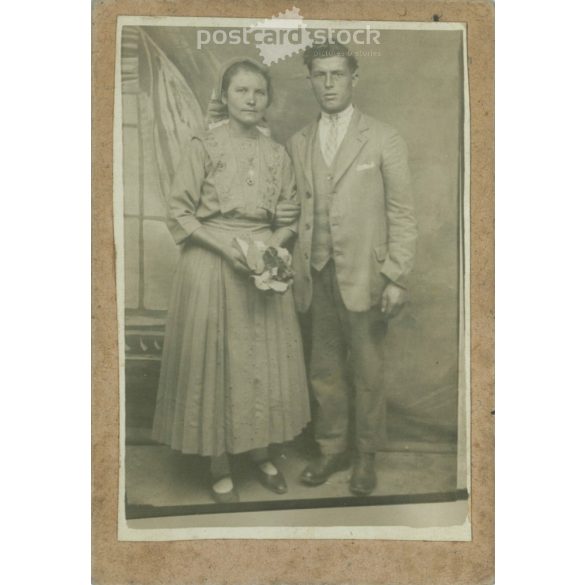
<point>251,172</point>
<point>247,148</point>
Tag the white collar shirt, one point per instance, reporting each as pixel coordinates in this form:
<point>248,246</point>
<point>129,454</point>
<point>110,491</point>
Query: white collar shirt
<point>343,120</point>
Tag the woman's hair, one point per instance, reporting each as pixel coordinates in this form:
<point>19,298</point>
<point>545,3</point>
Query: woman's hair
<point>324,50</point>
<point>246,65</point>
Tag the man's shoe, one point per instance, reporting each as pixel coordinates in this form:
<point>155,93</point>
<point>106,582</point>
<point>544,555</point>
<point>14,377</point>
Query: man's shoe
<point>363,479</point>
<point>321,470</point>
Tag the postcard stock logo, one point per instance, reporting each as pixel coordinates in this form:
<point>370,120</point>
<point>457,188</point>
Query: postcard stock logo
<point>284,35</point>
<point>281,36</point>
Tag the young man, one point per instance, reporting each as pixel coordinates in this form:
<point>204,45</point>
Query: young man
<point>356,245</point>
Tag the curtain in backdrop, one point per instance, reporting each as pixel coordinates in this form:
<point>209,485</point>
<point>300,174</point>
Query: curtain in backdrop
<point>414,82</point>
<point>160,114</point>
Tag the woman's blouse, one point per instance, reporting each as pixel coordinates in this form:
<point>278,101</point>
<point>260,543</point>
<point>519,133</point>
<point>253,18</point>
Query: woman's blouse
<point>234,177</point>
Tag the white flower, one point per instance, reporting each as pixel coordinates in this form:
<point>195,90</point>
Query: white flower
<point>278,286</point>
<point>284,254</point>
<point>262,281</point>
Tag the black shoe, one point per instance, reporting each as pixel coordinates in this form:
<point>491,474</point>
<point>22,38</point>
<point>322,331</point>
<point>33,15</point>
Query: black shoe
<point>231,497</point>
<point>363,479</point>
<point>321,470</point>
<point>274,483</point>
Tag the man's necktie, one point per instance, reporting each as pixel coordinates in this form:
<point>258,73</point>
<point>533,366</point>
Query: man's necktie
<point>331,140</point>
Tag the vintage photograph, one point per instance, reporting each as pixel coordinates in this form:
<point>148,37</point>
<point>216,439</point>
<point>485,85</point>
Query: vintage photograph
<point>291,211</point>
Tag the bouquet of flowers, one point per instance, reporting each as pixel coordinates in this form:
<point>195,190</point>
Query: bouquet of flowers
<point>270,265</point>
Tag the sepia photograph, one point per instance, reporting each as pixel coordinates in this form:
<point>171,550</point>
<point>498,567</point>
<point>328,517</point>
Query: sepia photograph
<point>291,215</point>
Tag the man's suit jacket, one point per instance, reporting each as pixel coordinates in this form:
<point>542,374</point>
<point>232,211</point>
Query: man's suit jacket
<point>371,212</point>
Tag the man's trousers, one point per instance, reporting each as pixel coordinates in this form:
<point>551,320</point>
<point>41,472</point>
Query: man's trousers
<point>346,370</point>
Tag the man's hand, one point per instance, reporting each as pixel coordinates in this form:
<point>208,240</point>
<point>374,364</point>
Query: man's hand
<point>393,299</point>
<point>286,213</point>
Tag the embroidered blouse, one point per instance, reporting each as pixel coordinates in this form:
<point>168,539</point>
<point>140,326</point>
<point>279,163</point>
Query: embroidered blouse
<point>222,175</point>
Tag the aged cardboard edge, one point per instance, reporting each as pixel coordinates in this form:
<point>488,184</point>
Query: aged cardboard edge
<point>293,561</point>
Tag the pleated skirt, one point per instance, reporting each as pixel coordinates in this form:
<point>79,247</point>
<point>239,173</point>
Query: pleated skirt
<point>232,375</point>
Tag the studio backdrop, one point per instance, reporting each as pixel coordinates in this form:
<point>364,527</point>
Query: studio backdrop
<point>412,80</point>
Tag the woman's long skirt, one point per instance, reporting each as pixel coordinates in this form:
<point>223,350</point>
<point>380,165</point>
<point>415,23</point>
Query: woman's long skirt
<point>232,375</point>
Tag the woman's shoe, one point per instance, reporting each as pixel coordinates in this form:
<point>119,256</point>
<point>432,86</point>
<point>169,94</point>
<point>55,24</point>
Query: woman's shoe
<point>275,483</point>
<point>231,497</point>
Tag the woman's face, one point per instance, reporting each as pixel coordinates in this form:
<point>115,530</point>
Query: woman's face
<point>246,98</point>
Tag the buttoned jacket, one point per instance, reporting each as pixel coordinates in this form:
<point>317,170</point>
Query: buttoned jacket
<point>371,212</point>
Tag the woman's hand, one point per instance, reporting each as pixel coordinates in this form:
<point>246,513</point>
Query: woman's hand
<point>280,237</point>
<point>236,260</point>
<point>286,213</point>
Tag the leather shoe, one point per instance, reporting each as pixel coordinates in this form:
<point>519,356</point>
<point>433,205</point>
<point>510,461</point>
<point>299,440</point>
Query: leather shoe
<point>320,470</point>
<point>274,483</point>
<point>363,479</point>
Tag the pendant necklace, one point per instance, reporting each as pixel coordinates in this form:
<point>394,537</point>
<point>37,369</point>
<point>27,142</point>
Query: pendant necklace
<point>247,147</point>
<point>251,174</point>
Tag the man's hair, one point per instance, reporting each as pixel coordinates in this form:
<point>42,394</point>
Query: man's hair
<point>324,50</point>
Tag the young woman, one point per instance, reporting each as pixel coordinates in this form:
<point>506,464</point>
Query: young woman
<point>232,377</point>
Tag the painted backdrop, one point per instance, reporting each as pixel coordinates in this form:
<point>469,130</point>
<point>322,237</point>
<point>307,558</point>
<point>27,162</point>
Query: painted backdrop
<point>412,80</point>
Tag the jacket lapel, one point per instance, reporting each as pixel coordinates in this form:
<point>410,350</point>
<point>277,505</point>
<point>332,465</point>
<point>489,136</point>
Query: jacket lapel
<point>307,151</point>
<point>353,142</point>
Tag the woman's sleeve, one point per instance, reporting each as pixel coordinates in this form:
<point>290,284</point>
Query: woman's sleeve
<point>288,192</point>
<point>185,193</point>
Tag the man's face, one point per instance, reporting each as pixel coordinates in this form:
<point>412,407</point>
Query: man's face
<point>332,82</point>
